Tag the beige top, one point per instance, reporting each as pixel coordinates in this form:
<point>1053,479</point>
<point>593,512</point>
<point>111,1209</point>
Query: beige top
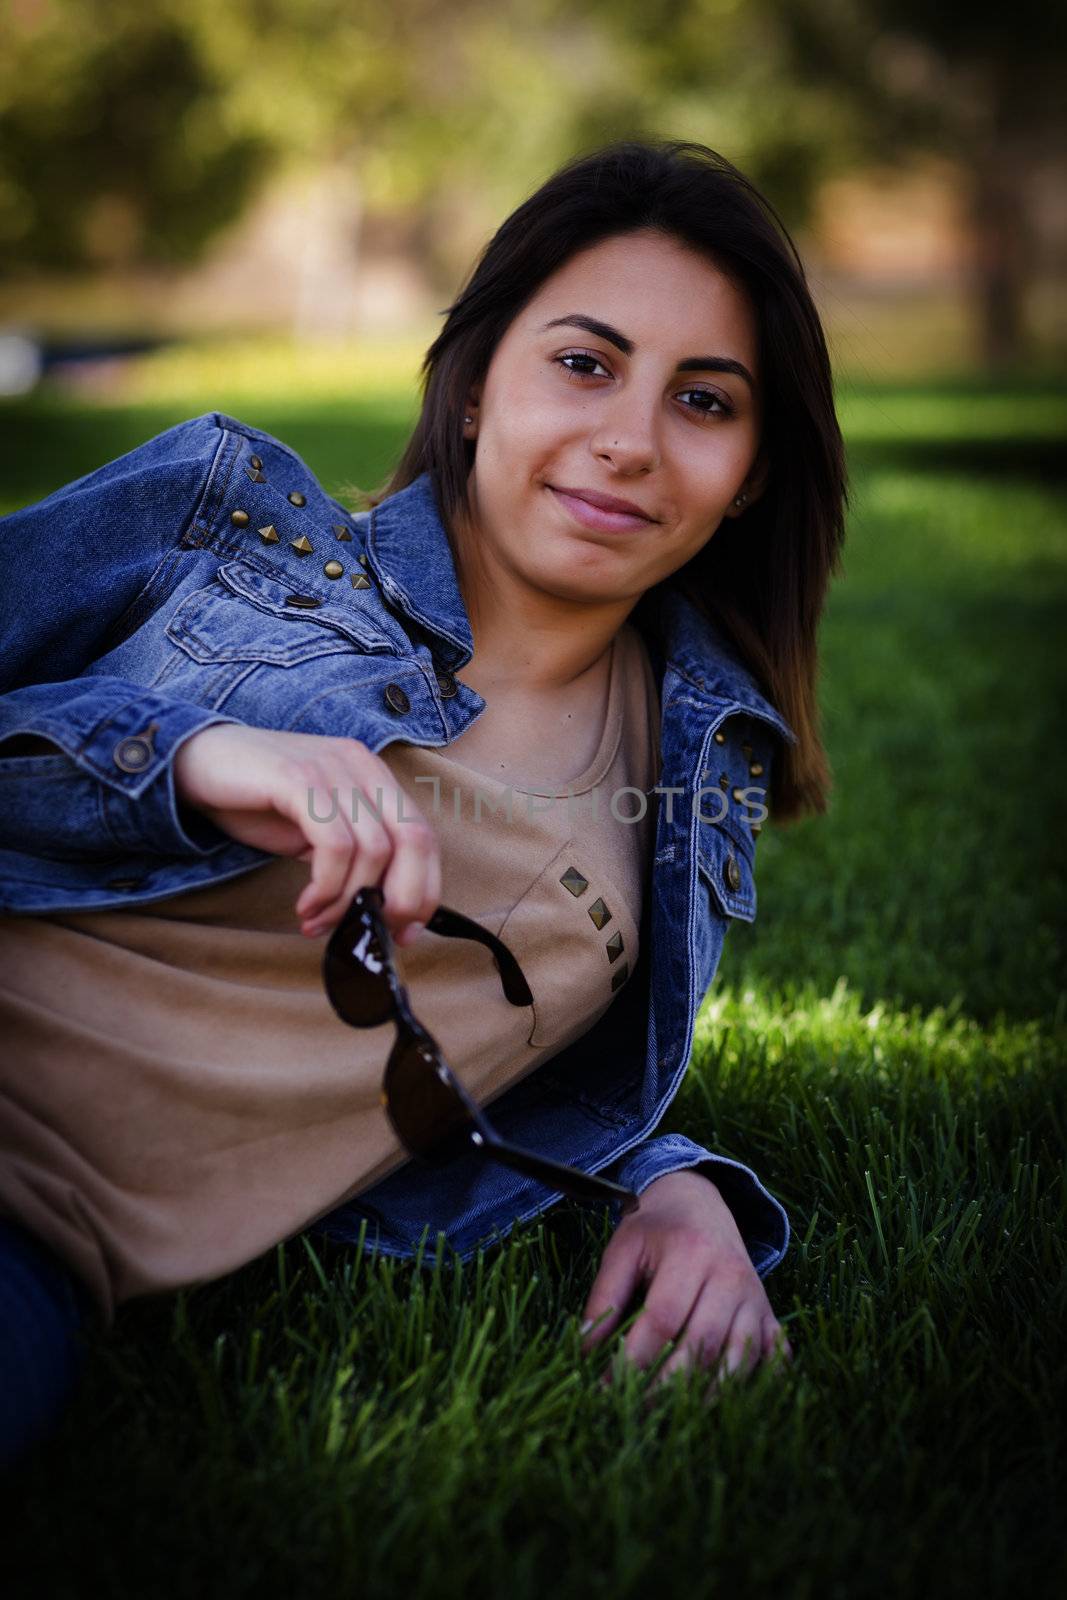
<point>177,1094</point>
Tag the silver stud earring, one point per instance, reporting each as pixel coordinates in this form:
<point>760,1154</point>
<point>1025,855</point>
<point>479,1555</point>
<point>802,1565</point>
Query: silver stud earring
<point>468,419</point>
<point>741,500</point>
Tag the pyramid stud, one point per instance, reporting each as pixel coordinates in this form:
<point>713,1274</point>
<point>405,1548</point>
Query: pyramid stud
<point>254,475</point>
<point>255,462</point>
<point>574,882</point>
<point>620,977</point>
<point>362,558</point>
<point>360,581</point>
<point>600,914</point>
<point>303,546</point>
<point>340,531</point>
<point>614,947</point>
<point>269,534</point>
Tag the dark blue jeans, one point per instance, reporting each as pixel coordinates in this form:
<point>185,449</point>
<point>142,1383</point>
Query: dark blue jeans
<point>43,1309</point>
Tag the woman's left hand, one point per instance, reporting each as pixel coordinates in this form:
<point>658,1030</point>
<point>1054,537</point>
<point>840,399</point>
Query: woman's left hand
<point>703,1290</point>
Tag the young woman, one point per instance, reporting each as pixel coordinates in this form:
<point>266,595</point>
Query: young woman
<point>591,586</point>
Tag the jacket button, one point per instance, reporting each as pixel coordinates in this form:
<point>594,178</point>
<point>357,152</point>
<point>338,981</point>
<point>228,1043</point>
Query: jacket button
<point>733,874</point>
<point>132,755</point>
<point>297,499</point>
<point>239,519</point>
<point>396,699</point>
<point>446,683</point>
<point>307,601</point>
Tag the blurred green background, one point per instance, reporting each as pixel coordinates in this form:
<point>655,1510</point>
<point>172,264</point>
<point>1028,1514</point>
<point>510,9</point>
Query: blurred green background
<point>263,207</point>
<point>324,171</point>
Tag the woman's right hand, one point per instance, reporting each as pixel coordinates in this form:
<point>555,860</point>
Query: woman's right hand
<point>270,789</point>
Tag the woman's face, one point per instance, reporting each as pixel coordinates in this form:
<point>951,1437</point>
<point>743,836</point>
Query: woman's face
<point>638,409</point>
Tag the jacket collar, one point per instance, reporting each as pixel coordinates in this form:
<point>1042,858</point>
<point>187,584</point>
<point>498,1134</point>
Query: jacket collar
<point>412,559</point>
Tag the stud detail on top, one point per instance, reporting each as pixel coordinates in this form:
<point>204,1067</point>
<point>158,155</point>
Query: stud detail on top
<point>361,581</point>
<point>340,531</point>
<point>732,874</point>
<point>600,914</point>
<point>297,499</point>
<point>254,475</point>
<point>303,546</point>
<point>269,534</point>
<point>756,769</point>
<point>307,602</point>
<point>573,880</point>
<point>255,463</point>
<point>614,947</point>
<point>620,977</point>
<point>239,519</point>
<point>719,736</point>
<point>333,569</point>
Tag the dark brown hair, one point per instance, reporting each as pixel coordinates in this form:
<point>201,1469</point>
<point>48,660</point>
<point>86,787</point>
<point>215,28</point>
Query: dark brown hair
<point>762,578</point>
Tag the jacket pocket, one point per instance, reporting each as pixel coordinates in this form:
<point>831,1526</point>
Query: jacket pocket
<point>246,615</point>
<point>726,862</point>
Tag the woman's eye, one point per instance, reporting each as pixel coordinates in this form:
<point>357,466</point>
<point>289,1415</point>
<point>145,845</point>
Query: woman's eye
<point>579,355</point>
<point>725,408</point>
<point>704,408</point>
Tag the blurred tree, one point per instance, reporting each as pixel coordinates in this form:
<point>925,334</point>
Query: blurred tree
<point>115,142</point>
<point>977,81</point>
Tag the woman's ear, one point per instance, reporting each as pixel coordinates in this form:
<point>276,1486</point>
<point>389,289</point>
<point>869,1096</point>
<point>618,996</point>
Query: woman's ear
<point>754,485</point>
<point>470,411</point>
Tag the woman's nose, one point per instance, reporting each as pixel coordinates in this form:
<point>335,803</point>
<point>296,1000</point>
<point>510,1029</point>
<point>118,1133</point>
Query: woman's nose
<point>627,438</point>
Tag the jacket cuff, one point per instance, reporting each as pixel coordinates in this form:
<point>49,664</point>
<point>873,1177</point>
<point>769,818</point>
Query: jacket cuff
<point>761,1220</point>
<point>123,743</point>
<point>142,809</point>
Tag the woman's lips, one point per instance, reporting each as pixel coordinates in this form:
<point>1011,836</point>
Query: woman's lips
<point>594,517</point>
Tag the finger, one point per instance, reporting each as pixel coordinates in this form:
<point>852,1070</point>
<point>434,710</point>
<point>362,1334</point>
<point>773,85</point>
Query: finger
<point>343,873</point>
<point>407,886</point>
<point>371,853</point>
<point>706,1329</point>
<point>776,1347</point>
<point>312,803</point>
<point>674,1290</point>
<point>613,1288</point>
<point>744,1342</point>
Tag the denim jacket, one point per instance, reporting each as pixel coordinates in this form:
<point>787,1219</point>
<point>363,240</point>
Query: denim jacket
<point>207,577</point>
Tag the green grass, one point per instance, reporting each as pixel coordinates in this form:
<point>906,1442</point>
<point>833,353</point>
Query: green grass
<point>885,1045</point>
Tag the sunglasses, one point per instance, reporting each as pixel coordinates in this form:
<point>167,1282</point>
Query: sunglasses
<point>432,1114</point>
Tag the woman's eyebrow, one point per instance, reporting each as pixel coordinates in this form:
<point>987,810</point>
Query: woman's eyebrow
<point>603,330</point>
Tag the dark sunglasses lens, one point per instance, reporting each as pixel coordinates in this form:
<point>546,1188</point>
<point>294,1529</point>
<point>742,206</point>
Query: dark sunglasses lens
<point>428,1115</point>
<point>354,974</point>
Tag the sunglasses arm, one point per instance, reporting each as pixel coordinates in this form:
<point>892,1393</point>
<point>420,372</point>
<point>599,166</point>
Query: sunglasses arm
<point>577,1185</point>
